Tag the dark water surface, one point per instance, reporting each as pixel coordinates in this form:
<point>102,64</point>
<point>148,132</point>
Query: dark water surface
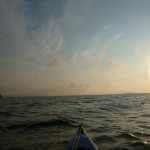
<point>114,122</point>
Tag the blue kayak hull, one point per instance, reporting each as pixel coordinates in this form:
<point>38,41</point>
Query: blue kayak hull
<point>81,141</point>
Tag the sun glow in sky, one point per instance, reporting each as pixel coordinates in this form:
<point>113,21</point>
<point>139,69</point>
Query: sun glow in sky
<point>69,47</point>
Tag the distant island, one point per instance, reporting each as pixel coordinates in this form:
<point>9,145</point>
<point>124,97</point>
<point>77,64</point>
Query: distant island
<point>1,96</point>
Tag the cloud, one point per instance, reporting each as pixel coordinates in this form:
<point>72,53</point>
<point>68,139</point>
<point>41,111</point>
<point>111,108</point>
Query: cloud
<point>56,62</point>
<point>13,20</point>
<point>116,37</point>
<point>96,38</point>
<point>99,36</point>
<point>72,85</point>
<point>106,27</point>
<point>48,38</point>
<point>96,63</point>
<point>86,58</point>
<point>115,64</point>
<point>13,28</point>
<point>79,86</point>
<point>71,17</point>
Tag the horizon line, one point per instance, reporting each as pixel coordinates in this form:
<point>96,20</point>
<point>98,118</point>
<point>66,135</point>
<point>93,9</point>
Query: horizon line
<point>126,93</point>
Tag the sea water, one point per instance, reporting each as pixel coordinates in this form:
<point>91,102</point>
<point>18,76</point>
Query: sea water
<point>114,122</point>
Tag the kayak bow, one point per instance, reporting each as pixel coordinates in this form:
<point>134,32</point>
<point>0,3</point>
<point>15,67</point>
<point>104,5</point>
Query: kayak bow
<point>81,141</point>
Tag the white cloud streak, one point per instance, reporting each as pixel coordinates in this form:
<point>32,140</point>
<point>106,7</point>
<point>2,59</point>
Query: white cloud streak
<point>115,64</point>
<point>106,27</point>
<point>116,37</point>
<point>48,39</point>
<point>87,58</point>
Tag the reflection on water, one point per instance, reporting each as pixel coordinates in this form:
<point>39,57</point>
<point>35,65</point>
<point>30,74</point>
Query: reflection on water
<point>42,123</point>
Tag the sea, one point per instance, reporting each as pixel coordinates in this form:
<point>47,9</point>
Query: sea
<point>114,122</point>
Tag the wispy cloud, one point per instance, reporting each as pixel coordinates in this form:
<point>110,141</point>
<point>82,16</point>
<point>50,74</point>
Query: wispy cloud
<point>26,46</point>
<point>17,41</point>
<point>102,33</point>
<point>74,14</point>
<point>116,37</point>
<point>48,38</point>
<point>13,28</point>
<point>87,58</point>
<point>106,27</point>
<point>13,20</point>
<point>115,64</point>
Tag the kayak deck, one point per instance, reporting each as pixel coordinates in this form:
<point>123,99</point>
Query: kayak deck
<point>81,141</point>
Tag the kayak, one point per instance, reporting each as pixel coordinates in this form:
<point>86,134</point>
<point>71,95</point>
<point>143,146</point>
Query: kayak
<point>81,141</point>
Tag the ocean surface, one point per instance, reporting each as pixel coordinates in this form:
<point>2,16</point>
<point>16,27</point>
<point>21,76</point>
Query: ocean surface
<point>114,122</point>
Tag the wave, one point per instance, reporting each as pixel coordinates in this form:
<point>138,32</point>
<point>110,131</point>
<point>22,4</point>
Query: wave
<point>7,114</point>
<point>15,148</point>
<point>89,101</point>
<point>144,126</point>
<point>128,136</point>
<point>122,148</point>
<point>142,134</point>
<point>141,144</point>
<point>105,138</point>
<point>3,129</point>
<point>40,124</point>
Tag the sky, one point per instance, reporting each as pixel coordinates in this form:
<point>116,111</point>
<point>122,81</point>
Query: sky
<point>74,47</point>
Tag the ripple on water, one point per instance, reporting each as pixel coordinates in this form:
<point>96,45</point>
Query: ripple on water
<point>114,122</point>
